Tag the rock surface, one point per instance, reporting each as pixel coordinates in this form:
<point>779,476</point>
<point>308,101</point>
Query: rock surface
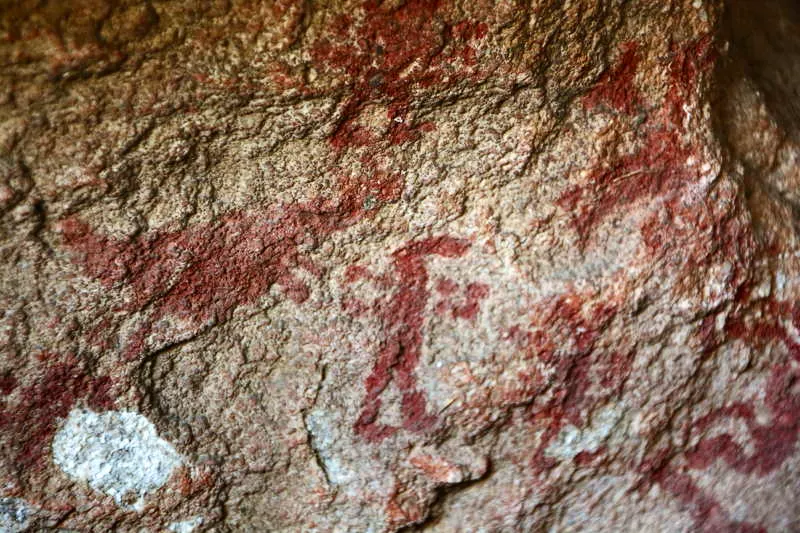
<point>404,265</point>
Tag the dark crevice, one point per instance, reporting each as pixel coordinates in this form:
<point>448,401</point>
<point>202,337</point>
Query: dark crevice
<point>764,40</point>
<point>761,65</point>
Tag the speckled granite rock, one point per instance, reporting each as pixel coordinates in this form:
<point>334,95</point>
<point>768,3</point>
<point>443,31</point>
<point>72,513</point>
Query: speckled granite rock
<point>440,265</point>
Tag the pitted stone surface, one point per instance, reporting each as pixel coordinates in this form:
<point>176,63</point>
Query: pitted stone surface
<point>400,265</point>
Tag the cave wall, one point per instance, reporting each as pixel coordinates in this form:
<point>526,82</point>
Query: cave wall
<point>407,265</point>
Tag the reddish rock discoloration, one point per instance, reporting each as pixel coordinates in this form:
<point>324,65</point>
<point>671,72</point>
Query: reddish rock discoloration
<point>660,166</point>
<point>772,444</point>
<point>591,359</point>
<point>203,273</point>
<point>7,384</point>
<point>466,306</point>
<point>584,377</point>
<point>708,515</point>
<point>689,63</point>
<point>386,55</point>
<point>402,316</point>
<point>616,87</point>
<point>30,419</point>
<point>657,168</point>
<point>760,325</point>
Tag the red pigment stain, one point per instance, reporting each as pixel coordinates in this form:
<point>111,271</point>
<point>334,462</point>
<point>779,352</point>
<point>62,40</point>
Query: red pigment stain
<point>772,443</point>
<point>402,318</point>
<point>564,336</point>
<point>707,513</point>
<point>355,273</point>
<point>446,286</point>
<point>388,53</point>
<point>476,292</point>
<point>201,274</point>
<point>33,420</point>
<point>711,230</point>
<point>7,384</point>
<point>689,63</point>
<point>759,324</point>
<point>659,166</point>
<point>468,306</point>
<point>616,88</point>
<point>586,458</point>
<point>763,322</point>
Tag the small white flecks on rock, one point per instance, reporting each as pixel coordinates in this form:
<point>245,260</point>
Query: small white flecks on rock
<point>117,453</point>
<point>14,515</point>
<point>186,526</point>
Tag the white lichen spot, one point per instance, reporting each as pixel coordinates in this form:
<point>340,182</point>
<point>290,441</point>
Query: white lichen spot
<point>14,515</point>
<point>186,526</point>
<point>117,453</point>
<point>572,440</point>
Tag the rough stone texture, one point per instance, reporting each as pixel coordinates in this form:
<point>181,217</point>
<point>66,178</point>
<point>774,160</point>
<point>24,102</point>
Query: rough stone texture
<point>405,265</point>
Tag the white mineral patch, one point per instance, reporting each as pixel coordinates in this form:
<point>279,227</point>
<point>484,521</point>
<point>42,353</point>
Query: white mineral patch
<point>117,453</point>
<point>186,526</point>
<point>572,440</point>
<point>324,436</point>
<point>14,515</point>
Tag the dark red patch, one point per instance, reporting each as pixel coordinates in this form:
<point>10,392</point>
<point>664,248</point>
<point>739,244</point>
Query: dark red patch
<point>616,88</point>
<point>586,458</point>
<point>388,53</point>
<point>465,307</point>
<point>349,134</point>
<point>758,324</point>
<point>708,515</point>
<point>30,424</point>
<point>476,292</point>
<point>446,286</point>
<point>201,274</point>
<point>355,273</point>
<point>7,384</point>
<point>402,317</point>
<point>564,336</point>
<point>659,166</point>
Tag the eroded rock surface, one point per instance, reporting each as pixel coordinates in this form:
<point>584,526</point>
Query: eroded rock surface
<point>403,265</point>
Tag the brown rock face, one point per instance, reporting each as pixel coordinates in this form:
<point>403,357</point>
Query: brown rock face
<point>406,265</point>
